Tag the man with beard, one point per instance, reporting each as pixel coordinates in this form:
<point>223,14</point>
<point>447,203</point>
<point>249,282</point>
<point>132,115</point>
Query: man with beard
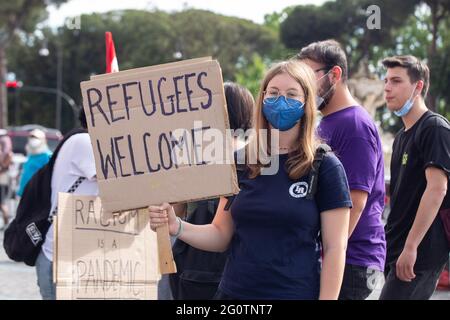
<point>353,136</point>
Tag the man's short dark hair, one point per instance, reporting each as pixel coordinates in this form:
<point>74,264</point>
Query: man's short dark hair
<point>328,53</point>
<point>416,69</point>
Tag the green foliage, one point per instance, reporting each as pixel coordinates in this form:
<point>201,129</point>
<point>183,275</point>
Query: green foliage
<point>228,39</point>
<point>22,15</point>
<point>250,73</point>
<point>273,22</point>
<point>141,38</point>
<point>243,48</point>
<point>345,21</point>
<point>19,16</point>
<point>414,37</point>
<point>417,27</point>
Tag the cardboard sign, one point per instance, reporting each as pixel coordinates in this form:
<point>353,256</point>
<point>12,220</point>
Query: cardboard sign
<point>150,68</point>
<point>148,129</point>
<point>101,256</point>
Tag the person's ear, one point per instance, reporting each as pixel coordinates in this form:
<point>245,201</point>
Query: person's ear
<point>336,73</point>
<point>419,87</point>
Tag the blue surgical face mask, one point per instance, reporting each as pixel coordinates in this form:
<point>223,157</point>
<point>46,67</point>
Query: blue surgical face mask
<point>403,111</point>
<point>283,113</point>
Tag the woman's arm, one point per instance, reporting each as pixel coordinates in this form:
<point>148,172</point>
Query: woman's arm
<point>215,236</point>
<point>334,230</point>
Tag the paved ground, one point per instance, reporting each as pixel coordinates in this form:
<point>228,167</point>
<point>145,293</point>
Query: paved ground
<point>17,281</point>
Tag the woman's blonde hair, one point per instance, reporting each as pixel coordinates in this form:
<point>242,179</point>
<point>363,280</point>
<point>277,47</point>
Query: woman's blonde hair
<point>301,157</point>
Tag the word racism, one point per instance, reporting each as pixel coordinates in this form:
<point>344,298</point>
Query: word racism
<point>169,105</point>
<point>87,217</point>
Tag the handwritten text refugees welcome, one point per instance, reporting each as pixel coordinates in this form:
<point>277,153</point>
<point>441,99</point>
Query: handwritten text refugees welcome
<point>141,122</point>
<point>151,103</point>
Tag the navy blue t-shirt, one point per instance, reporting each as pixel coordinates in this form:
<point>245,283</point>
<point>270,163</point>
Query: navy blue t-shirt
<point>275,249</point>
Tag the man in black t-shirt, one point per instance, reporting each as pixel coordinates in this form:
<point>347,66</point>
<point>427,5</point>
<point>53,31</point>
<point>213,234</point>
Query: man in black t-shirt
<point>417,248</point>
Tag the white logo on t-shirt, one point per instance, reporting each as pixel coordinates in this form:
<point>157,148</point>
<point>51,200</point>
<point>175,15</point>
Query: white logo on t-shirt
<point>298,189</point>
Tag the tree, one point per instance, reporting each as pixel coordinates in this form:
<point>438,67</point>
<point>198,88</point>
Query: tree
<point>142,38</point>
<point>227,39</point>
<point>345,21</point>
<point>439,10</point>
<point>250,73</point>
<point>418,27</point>
<point>428,17</point>
<point>273,22</point>
<point>19,15</point>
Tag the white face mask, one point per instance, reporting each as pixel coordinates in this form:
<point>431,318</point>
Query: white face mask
<point>324,99</point>
<point>34,142</point>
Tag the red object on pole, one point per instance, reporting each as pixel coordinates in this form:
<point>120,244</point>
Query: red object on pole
<point>14,84</point>
<point>111,59</point>
<point>11,84</point>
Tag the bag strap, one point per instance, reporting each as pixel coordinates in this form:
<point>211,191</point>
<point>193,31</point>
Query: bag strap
<point>52,161</point>
<point>416,137</point>
<point>72,189</point>
<point>313,178</point>
<point>422,126</point>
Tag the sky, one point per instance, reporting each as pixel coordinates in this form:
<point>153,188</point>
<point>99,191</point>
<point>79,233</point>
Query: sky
<point>248,9</point>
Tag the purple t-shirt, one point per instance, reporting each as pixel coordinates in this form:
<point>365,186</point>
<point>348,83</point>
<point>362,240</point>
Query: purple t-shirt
<point>353,137</point>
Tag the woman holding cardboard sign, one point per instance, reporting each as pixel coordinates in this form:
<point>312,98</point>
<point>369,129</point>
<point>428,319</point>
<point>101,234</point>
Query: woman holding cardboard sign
<point>278,224</point>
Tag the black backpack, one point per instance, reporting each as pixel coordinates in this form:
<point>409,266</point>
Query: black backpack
<point>25,235</point>
<point>199,272</point>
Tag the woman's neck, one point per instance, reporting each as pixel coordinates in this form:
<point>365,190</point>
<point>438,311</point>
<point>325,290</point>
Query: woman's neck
<point>288,140</point>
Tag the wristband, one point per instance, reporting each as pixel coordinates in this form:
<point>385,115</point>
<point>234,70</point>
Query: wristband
<point>180,228</point>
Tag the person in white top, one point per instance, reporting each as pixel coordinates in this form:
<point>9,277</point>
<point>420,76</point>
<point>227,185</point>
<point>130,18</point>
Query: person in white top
<point>75,160</point>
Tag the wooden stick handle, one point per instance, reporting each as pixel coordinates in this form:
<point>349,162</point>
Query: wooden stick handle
<point>166,262</point>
